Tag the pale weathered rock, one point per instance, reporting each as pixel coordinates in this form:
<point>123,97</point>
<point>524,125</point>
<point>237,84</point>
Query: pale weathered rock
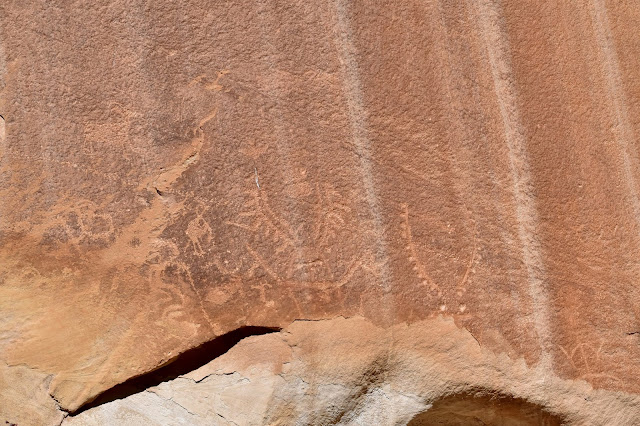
<point>348,371</point>
<point>171,171</point>
<point>24,397</point>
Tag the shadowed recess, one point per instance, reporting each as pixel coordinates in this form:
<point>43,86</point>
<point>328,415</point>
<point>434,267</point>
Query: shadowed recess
<point>485,409</point>
<point>184,363</point>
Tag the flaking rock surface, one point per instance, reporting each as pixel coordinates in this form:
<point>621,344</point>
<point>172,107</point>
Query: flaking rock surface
<point>172,171</point>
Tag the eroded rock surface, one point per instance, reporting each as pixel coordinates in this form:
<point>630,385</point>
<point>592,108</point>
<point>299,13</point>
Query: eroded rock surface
<point>25,399</point>
<point>171,171</point>
<point>349,371</point>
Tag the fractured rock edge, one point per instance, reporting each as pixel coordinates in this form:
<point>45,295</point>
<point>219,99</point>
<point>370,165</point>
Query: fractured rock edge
<point>25,398</point>
<point>345,371</point>
<point>177,366</point>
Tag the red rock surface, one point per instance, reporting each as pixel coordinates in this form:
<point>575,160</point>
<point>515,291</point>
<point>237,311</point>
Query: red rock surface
<point>172,171</point>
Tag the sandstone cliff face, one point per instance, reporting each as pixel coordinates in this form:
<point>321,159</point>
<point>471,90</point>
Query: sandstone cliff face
<point>436,202</point>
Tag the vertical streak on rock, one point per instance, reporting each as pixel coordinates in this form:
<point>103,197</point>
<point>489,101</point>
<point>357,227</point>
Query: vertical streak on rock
<point>3,63</point>
<point>3,83</point>
<point>498,51</point>
<point>3,135</point>
<point>361,141</point>
<point>274,85</point>
<point>623,132</point>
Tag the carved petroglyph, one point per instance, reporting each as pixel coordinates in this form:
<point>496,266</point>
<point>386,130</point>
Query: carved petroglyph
<point>295,257</point>
<point>259,262</point>
<point>168,176</point>
<point>258,217</point>
<point>462,285</point>
<point>183,272</point>
<point>208,83</point>
<point>418,267</point>
<point>171,303</point>
<point>586,357</point>
<point>81,224</point>
<point>421,270</point>
<point>200,234</point>
<point>330,213</point>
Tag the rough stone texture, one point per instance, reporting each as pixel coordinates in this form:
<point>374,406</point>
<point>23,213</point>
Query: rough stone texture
<point>174,170</point>
<point>24,398</point>
<point>349,371</point>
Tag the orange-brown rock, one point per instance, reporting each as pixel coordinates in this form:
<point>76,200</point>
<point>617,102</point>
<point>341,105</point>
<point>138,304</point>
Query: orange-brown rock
<point>173,171</point>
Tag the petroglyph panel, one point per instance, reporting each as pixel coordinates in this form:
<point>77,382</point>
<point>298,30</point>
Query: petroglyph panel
<point>172,172</point>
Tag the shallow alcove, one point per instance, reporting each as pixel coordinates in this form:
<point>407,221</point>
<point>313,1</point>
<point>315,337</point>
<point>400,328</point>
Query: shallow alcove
<point>485,409</point>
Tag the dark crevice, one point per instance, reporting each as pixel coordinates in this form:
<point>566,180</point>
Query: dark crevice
<point>486,408</point>
<point>184,363</point>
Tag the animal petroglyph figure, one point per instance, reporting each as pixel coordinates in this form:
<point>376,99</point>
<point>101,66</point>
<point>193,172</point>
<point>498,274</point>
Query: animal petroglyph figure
<point>296,257</point>
<point>586,357</point>
<point>200,234</point>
